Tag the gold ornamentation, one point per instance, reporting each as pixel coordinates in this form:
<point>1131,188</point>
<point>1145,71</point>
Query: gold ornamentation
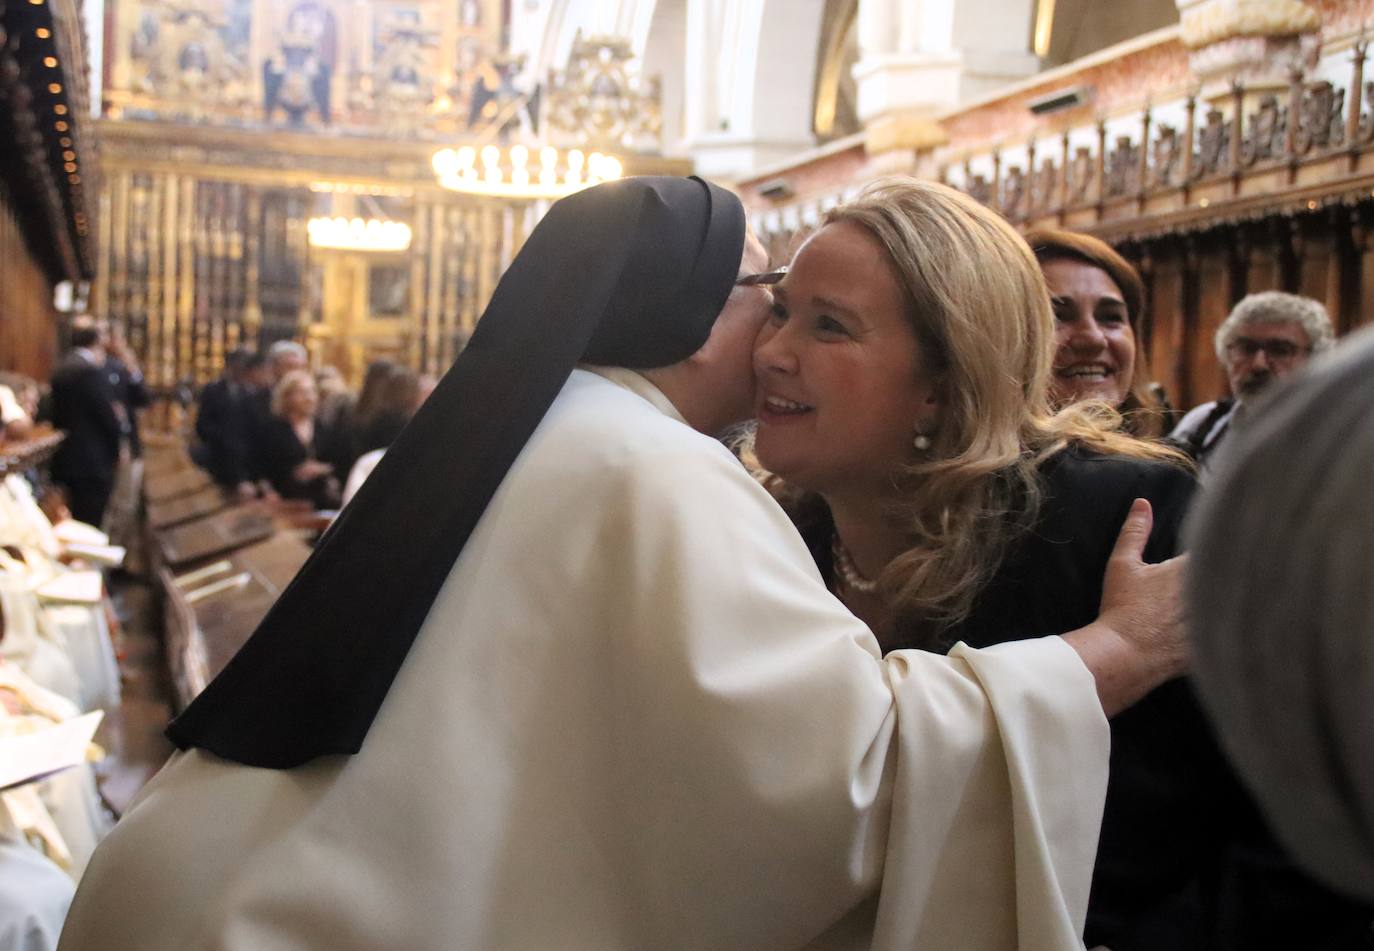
<point>597,100</point>
<point>181,56</point>
<point>508,173</point>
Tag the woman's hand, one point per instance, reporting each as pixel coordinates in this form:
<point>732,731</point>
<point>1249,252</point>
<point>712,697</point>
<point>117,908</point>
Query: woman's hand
<point>1138,640</point>
<point>310,470</point>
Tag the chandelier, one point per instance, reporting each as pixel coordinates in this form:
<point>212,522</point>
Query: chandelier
<point>515,172</point>
<point>358,234</point>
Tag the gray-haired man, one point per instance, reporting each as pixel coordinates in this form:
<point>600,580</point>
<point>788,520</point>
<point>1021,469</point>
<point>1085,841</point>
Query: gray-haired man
<point>1266,337</point>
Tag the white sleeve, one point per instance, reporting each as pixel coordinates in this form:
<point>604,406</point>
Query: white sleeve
<point>1192,420</point>
<point>796,772</point>
<point>359,473</point>
<point>10,410</point>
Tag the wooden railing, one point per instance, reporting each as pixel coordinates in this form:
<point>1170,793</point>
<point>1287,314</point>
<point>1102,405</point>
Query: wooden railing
<point>1262,136</point>
<point>31,453</point>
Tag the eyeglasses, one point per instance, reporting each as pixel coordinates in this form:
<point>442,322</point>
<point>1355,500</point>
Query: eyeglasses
<point>762,278</point>
<point>1247,348</point>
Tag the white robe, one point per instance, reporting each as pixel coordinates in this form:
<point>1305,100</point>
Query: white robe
<point>34,894</point>
<point>634,719</point>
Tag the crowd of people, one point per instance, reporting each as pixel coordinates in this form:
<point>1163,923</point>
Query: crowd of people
<point>93,396</point>
<point>269,427</point>
<point>912,676</point>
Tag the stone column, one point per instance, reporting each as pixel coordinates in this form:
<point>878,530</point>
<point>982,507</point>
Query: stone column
<point>745,103</point>
<point>919,58</point>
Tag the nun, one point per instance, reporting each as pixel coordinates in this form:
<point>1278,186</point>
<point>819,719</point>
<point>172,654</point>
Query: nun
<point>563,675</point>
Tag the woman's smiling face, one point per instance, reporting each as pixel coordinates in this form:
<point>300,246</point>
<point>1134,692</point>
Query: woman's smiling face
<point>1094,356</point>
<point>841,390</point>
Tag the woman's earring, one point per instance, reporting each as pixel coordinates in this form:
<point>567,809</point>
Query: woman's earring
<point>921,442</point>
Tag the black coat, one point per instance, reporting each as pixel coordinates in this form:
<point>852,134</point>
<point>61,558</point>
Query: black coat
<point>132,393</point>
<point>83,406</point>
<point>1184,861</point>
<point>228,424</point>
<point>280,451</point>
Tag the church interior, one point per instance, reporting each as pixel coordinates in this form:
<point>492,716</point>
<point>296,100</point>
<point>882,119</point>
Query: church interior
<point>219,194</point>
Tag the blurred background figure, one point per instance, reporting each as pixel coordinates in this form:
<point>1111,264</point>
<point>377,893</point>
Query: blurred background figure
<point>335,397</point>
<point>86,407</point>
<point>1282,611</point>
<point>1098,301</point>
<point>1266,337</point>
<point>121,365</point>
<point>398,397</point>
<point>288,444</point>
<point>285,356</point>
<point>228,422</point>
<point>364,409</point>
<point>131,397</point>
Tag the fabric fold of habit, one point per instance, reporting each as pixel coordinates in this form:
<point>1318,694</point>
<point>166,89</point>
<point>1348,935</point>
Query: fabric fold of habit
<point>638,271</point>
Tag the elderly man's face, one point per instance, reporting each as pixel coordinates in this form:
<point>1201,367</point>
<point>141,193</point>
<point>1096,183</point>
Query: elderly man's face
<point>1258,354</point>
<point>284,363</point>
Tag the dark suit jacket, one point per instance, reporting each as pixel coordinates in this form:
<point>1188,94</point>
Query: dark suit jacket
<point>228,424</point>
<point>1184,862</point>
<point>83,406</point>
<point>132,392</point>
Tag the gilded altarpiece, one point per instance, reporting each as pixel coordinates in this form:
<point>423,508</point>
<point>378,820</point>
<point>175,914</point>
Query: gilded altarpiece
<point>420,67</point>
<point>231,124</point>
<point>204,248</point>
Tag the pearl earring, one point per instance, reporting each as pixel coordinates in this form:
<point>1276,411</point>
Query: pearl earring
<point>921,442</point>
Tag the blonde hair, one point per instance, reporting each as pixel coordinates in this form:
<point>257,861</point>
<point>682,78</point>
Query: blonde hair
<point>282,391</point>
<point>980,308</point>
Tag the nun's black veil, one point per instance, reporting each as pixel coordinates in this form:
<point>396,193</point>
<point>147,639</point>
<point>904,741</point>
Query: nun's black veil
<point>628,274</point>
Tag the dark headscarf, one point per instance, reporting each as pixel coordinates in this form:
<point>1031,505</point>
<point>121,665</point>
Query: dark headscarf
<point>628,274</point>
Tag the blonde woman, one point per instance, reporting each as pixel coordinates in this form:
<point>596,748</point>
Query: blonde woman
<point>904,407</point>
<point>289,444</point>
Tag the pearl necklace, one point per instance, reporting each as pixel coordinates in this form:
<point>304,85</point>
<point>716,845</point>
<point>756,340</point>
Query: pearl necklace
<point>845,570</point>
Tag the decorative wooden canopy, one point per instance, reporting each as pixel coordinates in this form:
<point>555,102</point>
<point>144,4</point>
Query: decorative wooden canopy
<point>48,173</point>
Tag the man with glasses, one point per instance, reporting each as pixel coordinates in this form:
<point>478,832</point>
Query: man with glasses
<point>1266,337</point>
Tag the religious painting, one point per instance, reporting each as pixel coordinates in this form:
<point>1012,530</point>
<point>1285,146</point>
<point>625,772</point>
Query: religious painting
<point>388,291</point>
<point>192,52</point>
<point>390,67</point>
<point>297,78</point>
<point>499,103</point>
<point>407,71</point>
<point>481,84</point>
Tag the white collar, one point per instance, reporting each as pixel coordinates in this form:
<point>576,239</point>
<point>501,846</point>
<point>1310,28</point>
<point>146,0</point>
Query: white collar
<point>639,385</point>
<point>87,354</point>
